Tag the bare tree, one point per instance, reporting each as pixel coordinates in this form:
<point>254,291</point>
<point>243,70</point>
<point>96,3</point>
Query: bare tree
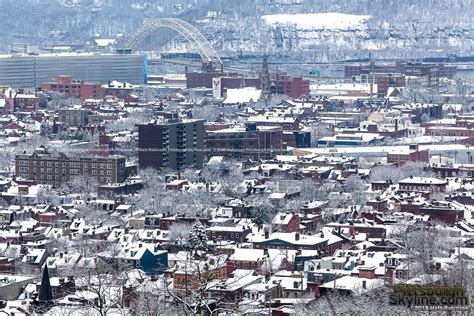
<point>387,173</point>
<point>84,185</point>
<point>424,243</point>
<point>198,293</point>
<point>105,282</point>
<point>179,233</point>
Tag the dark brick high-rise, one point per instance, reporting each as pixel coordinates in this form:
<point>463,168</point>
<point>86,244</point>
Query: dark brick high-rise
<point>171,144</point>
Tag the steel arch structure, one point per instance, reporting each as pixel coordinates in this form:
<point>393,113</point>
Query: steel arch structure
<point>197,40</point>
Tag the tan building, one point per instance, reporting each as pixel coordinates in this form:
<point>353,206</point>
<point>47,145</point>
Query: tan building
<point>55,170</point>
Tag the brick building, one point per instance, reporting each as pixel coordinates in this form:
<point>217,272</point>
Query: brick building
<point>423,184</point>
<point>171,143</point>
<point>75,116</point>
<point>246,142</point>
<point>294,87</point>
<point>236,234</point>
<point>412,153</point>
<point>286,222</point>
<point>74,88</point>
<point>18,101</point>
<point>281,83</point>
<point>437,210</point>
<point>431,71</point>
<point>43,167</point>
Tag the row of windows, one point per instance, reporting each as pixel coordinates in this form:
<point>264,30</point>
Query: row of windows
<point>58,177</point>
<point>65,164</point>
<point>109,172</point>
<point>214,235</point>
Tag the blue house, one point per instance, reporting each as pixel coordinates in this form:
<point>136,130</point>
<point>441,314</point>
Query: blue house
<point>145,256</point>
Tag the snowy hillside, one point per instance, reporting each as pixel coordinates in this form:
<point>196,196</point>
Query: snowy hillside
<point>306,29</point>
<point>329,21</point>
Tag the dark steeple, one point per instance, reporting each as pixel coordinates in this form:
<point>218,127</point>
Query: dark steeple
<point>265,79</point>
<point>45,294</point>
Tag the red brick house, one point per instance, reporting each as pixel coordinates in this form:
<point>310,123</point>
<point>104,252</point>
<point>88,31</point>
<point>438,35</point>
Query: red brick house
<point>286,223</point>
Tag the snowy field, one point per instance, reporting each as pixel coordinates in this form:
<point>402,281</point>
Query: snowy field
<point>332,21</point>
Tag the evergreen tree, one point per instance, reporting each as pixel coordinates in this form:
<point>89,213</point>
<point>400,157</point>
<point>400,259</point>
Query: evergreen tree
<point>197,239</point>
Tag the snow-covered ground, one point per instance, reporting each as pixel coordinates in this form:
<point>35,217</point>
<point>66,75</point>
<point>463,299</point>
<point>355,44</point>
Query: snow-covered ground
<point>332,20</point>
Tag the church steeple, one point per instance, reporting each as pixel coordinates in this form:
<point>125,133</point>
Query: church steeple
<point>45,293</point>
<point>265,79</point>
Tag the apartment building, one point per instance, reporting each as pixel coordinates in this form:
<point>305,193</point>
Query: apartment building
<point>46,168</point>
<point>171,143</point>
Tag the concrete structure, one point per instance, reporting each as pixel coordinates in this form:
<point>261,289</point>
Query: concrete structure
<point>31,71</point>
<point>171,143</point>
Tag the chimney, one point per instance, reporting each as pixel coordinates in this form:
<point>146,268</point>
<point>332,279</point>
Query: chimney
<point>265,252</point>
<point>267,235</point>
<point>322,234</point>
<point>297,236</point>
<point>364,284</point>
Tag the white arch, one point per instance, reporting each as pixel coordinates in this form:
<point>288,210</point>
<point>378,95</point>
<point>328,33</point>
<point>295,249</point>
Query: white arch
<point>204,48</point>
